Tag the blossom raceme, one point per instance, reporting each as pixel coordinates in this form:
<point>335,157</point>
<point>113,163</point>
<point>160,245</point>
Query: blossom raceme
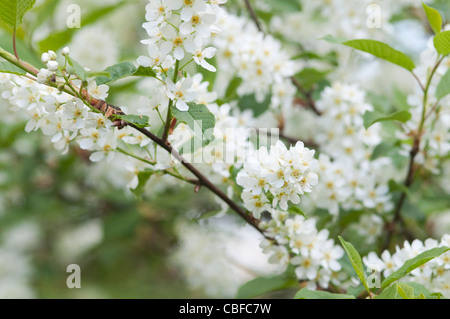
<point>280,173</point>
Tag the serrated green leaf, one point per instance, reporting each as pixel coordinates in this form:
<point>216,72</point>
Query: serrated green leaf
<point>317,294</point>
<point>8,67</point>
<point>371,118</point>
<point>356,261</point>
<point>140,121</point>
<point>122,70</point>
<point>141,71</point>
<point>414,263</point>
<point>378,49</point>
<point>199,118</point>
<point>442,42</point>
<point>13,11</point>
<point>434,18</point>
<point>116,72</point>
<point>263,285</point>
<point>443,88</point>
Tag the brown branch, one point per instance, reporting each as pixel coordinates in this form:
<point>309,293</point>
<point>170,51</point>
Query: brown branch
<point>391,226</point>
<point>309,100</point>
<point>253,15</point>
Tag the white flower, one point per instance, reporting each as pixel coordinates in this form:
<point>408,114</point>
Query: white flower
<point>307,267</point>
<point>105,149</point>
<point>200,55</point>
<point>52,66</point>
<point>176,43</point>
<point>98,91</point>
<point>180,92</point>
<point>65,51</point>
<point>197,22</point>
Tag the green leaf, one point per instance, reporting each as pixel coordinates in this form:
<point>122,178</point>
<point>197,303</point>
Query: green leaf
<point>116,72</point>
<point>317,294</point>
<point>371,118</point>
<point>13,11</point>
<point>421,290</point>
<point>77,68</point>
<point>309,76</point>
<point>140,121</point>
<point>381,150</point>
<point>263,285</point>
<point>378,49</point>
<point>397,291</point>
<point>8,67</point>
<point>414,263</point>
<point>356,261</point>
<point>58,39</point>
<point>434,18</point>
<point>198,118</point>
<point>232,88</point>
<point>143,178</point>
<point>122,70</point>
<point>296,211</point>
<point>397,187</point>
<point>142,71</point>
<point>249,102</point>
<point>442,42</point>
<point>443,88</point>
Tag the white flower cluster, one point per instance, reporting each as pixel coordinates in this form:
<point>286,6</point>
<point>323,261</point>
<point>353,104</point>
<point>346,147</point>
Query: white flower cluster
<point>256,58</point>
<point>345,185</point>
<point>60,116</point>
<point>49,58</point>
<point>349,177</point>
<point>343,134</point>
<point>216,258</point>
<point>313,253</point>
<point>434,275</point>
<point>275,177</point>
<point>177,28</point>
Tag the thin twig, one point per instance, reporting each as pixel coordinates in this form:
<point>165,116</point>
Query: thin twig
<point>391,226</point>
<point>253,15</point>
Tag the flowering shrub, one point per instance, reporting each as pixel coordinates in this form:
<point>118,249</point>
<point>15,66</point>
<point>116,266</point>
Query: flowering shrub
<point>336,160</point>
